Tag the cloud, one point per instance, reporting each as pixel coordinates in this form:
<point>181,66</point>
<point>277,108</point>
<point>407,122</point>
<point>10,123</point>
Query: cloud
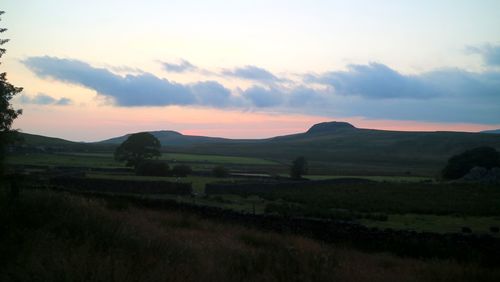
<point>375,81</point>
<point>489,53</point>
<point>64,102</point>
<point>372,91</point>
<point>252,73</point>
<point>263,98</point>
<point>303,96</point>
<point>212,93</point>
<point>130,90</point>
<point>183,66</point>
<point>44,99</point>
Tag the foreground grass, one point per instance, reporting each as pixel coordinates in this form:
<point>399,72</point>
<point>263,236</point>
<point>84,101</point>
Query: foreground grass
<point>48,236</point>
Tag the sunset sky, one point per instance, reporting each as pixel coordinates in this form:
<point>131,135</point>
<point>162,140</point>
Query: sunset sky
<point>96,69</point>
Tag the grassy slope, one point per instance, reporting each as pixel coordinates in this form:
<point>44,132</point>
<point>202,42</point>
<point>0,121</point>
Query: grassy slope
<point>357,151</point>
<point>362,150</point>
<point>50,236</point>
<point>77,159</point>
<point>39,140</point>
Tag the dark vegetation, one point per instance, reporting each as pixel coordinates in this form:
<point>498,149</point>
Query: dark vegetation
<point>137,148</point>
<point>121,186</point>
<point>181,170</point>
<point>373,197</point>
<point>7,113</point>
<point>220,171</point>
<point>459,165</point>
<point>299,167</point>
<point>153,168</point>
<point>49,236</point>
<point>332,211</point>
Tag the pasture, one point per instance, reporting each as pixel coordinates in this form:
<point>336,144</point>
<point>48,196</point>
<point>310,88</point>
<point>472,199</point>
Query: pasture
<point>398,202</point>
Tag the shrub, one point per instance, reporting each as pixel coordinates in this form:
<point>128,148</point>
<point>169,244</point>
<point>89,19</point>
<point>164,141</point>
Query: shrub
<point>220,171</point>
<point>299,167</point>
<point>152,168</point>
<point>181,170</point>
<point>461,164</point>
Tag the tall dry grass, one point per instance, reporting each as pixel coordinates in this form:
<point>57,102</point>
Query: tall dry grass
<point>49,236</point>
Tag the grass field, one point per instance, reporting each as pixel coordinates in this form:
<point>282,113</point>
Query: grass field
<point>373,178</point>
<point>72,160</point>
<point>405,201</point>
<point>215,159</point>
<point>399,198</point>
<point>48,236</point>
<point>437,223</point>
<point>106,160</point>
<point>198,182</point>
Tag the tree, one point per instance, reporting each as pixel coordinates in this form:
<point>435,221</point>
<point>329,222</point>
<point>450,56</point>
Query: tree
<point>7,112</point>
<point>461,164</point>
<point>138,147</point>
<point>299,168</point>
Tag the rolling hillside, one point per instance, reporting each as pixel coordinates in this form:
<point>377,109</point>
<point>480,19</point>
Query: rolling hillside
<point>340,147</point>
<point>330,147</point>
<point>171,138</point>
<point>496,131</point>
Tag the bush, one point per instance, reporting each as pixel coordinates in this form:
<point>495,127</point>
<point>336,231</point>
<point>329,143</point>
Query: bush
<point>181,170</point>
<point>152,168</point>
<point>299,167</point>
<point>220,171</point>
<point>460,165</point>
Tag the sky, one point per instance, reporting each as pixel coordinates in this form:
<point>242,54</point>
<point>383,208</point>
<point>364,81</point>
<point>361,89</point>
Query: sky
<point>96,69</point>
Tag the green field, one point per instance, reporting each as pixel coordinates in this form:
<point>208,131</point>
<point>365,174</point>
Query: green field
<point>373,178</point>
<point>216,159</point>
<point>71,160</point>
<point>437,223</point>
<point>405,202</point>
<point>398,198</point>
<point>76,159</point>
<point>198,182</point>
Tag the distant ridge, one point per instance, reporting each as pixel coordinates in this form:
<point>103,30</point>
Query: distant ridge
<point>494,131</point>
<point>330,127</point>
<point>354,150</point>
<point>170,138</point>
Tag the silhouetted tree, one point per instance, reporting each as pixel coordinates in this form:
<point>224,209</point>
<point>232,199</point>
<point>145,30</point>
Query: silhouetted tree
<point>299,168</point>
<point>137,148</point>
<point>461,164</point>
<point>7,112</point>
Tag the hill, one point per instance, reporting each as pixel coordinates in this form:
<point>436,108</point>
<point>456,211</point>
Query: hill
<point>495,131</point>
<point>342,148</point>
<point>330,147</point>
<point>39,143</point>
<point>171,138</point>
<point>39,140</point>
